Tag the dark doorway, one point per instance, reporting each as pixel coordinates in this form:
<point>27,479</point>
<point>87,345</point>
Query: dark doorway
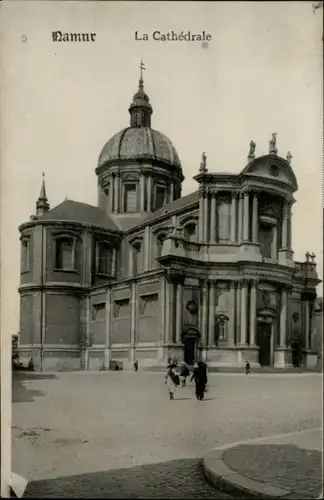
<point>263,340</point>
<point>190,350</point>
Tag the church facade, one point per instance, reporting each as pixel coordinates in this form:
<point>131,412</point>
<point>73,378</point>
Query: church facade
<point>149,273</point>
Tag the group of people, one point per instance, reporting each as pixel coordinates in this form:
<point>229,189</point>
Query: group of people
<point>199,376</point>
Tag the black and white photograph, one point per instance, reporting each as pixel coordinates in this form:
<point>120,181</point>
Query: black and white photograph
<point>161,249</point>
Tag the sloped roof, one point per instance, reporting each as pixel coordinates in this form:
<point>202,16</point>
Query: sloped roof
<point>75,211</point>
<point>173,206</point>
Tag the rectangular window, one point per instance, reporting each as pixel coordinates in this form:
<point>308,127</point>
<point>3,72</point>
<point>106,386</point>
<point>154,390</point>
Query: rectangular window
<point>130,198</point>
<point>160,197</point>
<point>149,304</point>
<point>24,256</point>
<point>64,254</point>
<point>99,312</point>
<point>121,309</point>
<point>104,263</point>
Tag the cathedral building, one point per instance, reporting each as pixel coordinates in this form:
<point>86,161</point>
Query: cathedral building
<point>149,273</point>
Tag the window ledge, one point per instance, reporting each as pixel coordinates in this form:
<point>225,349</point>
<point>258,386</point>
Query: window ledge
<point>57,269</point>
<point>25,271</point>
<point>105,275</point>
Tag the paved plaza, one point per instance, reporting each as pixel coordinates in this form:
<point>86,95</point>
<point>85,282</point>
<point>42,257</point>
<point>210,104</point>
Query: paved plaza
<point>97,426</point>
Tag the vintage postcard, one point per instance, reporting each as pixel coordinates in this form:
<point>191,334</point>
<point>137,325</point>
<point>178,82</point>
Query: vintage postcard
<point>161,249</point>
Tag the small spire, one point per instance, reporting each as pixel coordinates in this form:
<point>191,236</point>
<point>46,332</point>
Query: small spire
<point>273,144</point>
<point>289,157</point>
<point>251,155</point>
<point>42,204</point>
<point>142,67</point>
<point>203,164</point>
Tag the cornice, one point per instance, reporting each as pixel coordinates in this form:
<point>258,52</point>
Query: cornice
<point>75,224</point>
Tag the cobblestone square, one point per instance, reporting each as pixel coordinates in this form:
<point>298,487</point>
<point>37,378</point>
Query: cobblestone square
<point>83,424</point>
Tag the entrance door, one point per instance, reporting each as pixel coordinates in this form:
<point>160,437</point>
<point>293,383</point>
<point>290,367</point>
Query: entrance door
<point>264,342</point>
<point>189,350</point>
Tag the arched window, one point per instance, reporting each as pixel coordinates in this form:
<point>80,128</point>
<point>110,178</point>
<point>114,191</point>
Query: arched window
<point>65,253</point>
<point>159,244</point>
<point>137,257</point>
<point>104,258</point>
<point>190,231</point>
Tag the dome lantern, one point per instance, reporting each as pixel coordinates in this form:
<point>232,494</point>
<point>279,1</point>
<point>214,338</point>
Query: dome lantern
<point>140,109</point>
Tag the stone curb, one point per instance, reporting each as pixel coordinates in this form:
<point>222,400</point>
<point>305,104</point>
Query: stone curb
<point>225,479</point>
<point>219,475</point>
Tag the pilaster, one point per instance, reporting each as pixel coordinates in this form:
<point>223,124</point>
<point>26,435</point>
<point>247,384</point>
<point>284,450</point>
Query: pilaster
<point>231,326</point>
<point>206,216</point>
<point>212,305</point>
<point>284,230</point>
<point>142,193</point>
<point>133,321</point>
<point>307,324</point>
<point>244,295</point>
<point>204,313</point>
<point>201,215</point>
<point>111,194</point>
<point>107,352</point>
<point>253,306</point>
<point>233,217</point>
<point>255,218</point>
<point>149,193</point>
<point>147,249</point>
<point>213,209</point>
<point>179,310</point>
<point>283,318</point>
<point>240,218</point>
<point>246,217</point>
<point>163,308</point>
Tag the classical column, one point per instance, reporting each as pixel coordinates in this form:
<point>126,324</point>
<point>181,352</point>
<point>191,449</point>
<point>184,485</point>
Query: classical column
<point>111,194</point>
<point>179,310</point>
<point>167,337</point>
<point>240,218</point>
<point>201,215</point>
<point>204,318</point>
<point>255,219</point>
<point>231,326</point>
<point>233,218</point>
<point>253,306</point>
<point>163,308</point>
<point>307,324</point>
<point>284,228</point>
<point>170,311</point>
<point>133,322</point>
<point>246,217</point>
<point>147,249</point>
<point>206,216</point>
<point>238,312</point>
<point>113,262</point>
<point>142,192</point>
<point>212,304</point>
<point>289,235</point>
<point>149,193</point>
<point>274,250</point>
<point>107,352</point>
<point>87,331</point>
<point>172,191</point>
<point>244,296</point>
<point>213,218</point>
<point>283,318</point>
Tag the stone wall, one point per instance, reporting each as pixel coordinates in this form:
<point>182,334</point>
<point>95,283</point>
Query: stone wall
<point>26,318</point>
<point>62,319</point>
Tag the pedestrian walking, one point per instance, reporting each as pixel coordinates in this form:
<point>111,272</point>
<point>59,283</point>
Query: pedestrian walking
<point>172,379</point>
<point>136,365</point>
<point>247,368</point>
<point>184,373</point>
<point>200,377</point>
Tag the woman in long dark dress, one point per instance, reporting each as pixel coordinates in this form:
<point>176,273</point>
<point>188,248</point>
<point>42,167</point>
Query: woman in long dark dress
<point>200,377</point>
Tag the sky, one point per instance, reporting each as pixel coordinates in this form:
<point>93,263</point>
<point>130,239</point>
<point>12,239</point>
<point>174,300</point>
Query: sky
<point>60,102</point>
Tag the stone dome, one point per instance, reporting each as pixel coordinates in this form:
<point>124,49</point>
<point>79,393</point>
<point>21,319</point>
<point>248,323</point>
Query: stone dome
<point>139,143</point>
